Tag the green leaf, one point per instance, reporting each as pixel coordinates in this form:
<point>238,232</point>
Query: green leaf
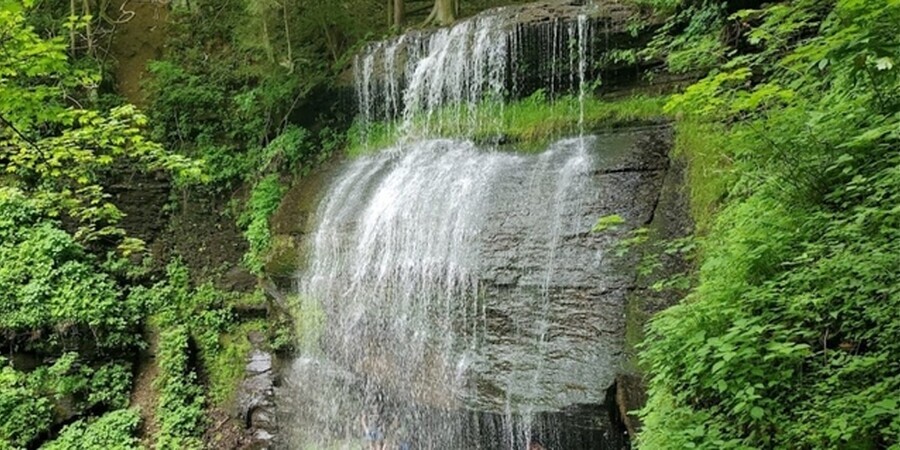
<point>885,63</point>
<point>756,412</point>
<point>610,222</point>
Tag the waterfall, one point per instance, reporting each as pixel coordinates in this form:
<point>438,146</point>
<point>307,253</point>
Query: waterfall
<point>465,303</point>
<point>456,80</point>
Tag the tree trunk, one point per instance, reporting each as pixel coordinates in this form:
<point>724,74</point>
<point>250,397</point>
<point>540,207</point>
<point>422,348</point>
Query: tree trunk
<point>443,13</point>
<point>270,53</point>
<point>89,34</point>
<point>72,30</point>
<point>446,11</point>
<point>398,14</point>
<point>287,39</point>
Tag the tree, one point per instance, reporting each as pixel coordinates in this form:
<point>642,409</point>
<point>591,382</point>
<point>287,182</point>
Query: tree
<point>399,12</point>
<point>444,12</point>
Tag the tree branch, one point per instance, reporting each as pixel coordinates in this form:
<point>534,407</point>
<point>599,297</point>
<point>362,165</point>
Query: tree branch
<point>30,142</point>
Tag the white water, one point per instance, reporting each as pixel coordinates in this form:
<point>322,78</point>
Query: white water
<point>456,80</point>
<point>457,280</point>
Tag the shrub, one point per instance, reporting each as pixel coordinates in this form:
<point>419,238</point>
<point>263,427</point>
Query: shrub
<point>791,337</point>
<point>112,431</point>
<point>264,200</point>
<point>49,284</point>
<point>26,413</point>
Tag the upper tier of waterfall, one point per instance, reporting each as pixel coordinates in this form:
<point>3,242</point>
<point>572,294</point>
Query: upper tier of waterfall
<point>441,82</point>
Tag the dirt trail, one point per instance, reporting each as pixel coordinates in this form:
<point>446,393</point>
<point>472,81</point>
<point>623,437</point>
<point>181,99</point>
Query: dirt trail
<point>139,39</point>
<point>144,394</point>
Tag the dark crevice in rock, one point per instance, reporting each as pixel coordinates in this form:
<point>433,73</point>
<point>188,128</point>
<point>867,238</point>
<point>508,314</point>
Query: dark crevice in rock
<point>630,394</point>
<point>655,206</point>
<point>626,170</point>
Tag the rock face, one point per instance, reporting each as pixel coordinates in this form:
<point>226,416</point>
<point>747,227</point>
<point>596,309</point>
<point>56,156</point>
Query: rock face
<point>292,223</point>
<point>256,399</point>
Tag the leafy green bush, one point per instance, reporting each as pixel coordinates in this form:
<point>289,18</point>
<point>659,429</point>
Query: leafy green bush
<point>264,200</point>
<point>26,413</point>
<point>180,408</point>
<point>791,337</point>
<point>112,431</point>
<point>49,284</point>
<point>36,395</point>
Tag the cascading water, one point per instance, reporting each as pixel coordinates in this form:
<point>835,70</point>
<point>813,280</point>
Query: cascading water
<point>455,80</point>
<point>464,302</point>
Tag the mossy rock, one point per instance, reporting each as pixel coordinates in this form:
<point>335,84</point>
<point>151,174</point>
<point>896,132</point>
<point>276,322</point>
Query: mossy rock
<point>295,215</point>
<point>283,258</point>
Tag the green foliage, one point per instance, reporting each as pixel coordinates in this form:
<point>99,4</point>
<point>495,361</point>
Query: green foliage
<point>662,7</point>
<point>233,92</point>
<point>200,340</point>
<point>56,147</point>
<point>56,295</point>
<point>703,146</point>
<point>791,337</point>
<point>225,367</point>
<point>230,91</point>
<point>179,412</point>
<point>610,222</point>
<point>25,412</point>
<point>112,431</point>
<point>690,40</point>
<point>106,385</point>
<point>30,400</point>
<point>50,285</point>
<point>264,200</point>
<point>180,314</point>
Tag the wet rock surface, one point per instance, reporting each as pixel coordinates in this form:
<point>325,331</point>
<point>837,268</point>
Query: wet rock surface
<point>543,321</point>
<point>256,398</point>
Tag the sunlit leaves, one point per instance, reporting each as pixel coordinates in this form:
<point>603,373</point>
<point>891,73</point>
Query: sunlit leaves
<point>112,431</point>
<point>58,149</point>
<point>790,340</point>
<point>48,282</point>
<point>610,222</point>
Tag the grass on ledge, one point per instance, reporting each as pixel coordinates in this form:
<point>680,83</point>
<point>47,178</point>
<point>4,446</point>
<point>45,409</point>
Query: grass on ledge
<point>528,124</point>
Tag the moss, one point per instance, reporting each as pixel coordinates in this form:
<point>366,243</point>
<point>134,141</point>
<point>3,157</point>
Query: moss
<point>264,199</point>
<point>309,321</point>
<point>529,123</point>
<point>295,214</point>
<point>226,367</point>
<point>636,319</point>
<point>282,258</point>
<point>701,146</point>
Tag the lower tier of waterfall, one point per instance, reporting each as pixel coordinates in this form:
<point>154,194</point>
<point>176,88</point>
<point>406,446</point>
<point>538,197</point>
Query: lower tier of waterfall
<point>461,299</point>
